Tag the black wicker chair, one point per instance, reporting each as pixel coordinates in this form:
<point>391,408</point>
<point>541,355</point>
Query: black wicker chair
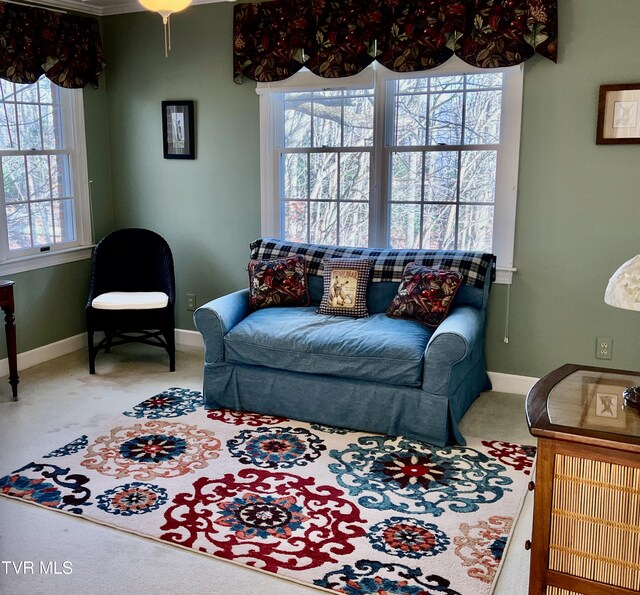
<point>139,261</point>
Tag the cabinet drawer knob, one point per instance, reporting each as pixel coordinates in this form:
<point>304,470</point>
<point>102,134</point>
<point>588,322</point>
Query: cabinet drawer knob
<point>531,486</point>
<point>527,545</point>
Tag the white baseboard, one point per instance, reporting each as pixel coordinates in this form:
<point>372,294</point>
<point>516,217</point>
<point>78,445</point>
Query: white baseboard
<point>45,353</point>
<point>189,338</point>
<point>503,383</point>
<point>511,383</point>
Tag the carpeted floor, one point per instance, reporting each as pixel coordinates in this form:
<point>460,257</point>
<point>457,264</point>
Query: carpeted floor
<point>59,400</point>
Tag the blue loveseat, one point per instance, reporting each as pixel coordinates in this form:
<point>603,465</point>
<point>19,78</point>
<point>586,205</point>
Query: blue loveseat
<point>375,374</point>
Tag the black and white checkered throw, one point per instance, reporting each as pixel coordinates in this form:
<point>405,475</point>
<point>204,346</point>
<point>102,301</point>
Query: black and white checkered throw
<point>388,264</point>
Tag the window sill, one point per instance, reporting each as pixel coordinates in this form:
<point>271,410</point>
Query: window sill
<point>504,275</point>
<point>48,259</point>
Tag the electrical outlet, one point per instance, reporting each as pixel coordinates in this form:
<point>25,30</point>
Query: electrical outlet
<point>191,302</point>
<point>604,347</point>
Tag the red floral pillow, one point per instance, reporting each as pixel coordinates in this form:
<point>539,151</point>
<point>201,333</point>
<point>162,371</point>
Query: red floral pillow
<point>279,282</point>
<point>425,294</point>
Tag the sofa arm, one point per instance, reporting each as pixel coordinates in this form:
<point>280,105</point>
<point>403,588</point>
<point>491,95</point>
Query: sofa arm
<point>452,349</point>
<point>216,318</point>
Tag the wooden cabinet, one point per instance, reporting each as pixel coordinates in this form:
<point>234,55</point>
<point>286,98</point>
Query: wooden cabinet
<point>586,526</point>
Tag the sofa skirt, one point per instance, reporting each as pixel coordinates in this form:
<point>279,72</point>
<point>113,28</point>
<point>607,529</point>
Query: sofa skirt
<point>347,403</point>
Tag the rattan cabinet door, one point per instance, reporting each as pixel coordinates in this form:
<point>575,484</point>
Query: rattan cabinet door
<point>586,534</point>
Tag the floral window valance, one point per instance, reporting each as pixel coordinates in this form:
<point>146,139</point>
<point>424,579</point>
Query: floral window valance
<point>336,38</point>
<point>67,49</point>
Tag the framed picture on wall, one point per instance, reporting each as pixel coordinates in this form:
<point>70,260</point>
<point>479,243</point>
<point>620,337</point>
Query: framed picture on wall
<point>178,127</point>
<point>619,115</point>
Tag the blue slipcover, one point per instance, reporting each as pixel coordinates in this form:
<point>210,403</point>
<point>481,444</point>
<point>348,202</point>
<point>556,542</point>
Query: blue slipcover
<point>374,374</point>
<point>299,340</point>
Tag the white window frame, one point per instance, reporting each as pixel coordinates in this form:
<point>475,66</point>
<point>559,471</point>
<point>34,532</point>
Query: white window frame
<point>376,77</point>
<point>80,249</point>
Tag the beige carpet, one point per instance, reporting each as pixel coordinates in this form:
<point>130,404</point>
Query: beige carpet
<point>58,399</point>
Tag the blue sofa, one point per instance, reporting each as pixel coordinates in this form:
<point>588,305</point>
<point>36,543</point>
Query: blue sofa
<point>374,374</point>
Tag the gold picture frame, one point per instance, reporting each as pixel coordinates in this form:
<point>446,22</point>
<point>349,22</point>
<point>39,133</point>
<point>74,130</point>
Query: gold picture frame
<point>619,114</point>
<point>603,404</point>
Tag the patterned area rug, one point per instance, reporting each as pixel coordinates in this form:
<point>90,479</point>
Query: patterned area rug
<point>339,510</point>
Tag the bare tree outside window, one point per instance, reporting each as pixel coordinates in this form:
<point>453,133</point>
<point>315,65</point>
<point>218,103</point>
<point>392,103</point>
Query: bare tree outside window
<point>443,135</point>
<point>443,161</point>
<point>36,170</point>
<point>325,166</point>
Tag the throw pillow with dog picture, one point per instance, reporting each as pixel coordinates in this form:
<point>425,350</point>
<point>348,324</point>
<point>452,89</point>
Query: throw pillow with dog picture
<point>345,287</point>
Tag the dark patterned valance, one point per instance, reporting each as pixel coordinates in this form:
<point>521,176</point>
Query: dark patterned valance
<point>336,38</point>
<point>67,49</point>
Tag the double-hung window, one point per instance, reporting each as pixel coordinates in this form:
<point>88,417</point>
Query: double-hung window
<point>421,160</point>
<point>325,166</point>
<point>45,214</point>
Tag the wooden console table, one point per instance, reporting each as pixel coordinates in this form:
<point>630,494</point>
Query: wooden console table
<point>8,307</point>
<point>586,519</point>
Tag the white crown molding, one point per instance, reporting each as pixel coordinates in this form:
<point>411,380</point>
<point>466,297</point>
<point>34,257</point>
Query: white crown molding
<point>64,5</point>
<point>133,6</point>
<point>108,8</point>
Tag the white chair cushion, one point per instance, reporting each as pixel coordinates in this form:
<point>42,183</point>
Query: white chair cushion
<point>130,300</point>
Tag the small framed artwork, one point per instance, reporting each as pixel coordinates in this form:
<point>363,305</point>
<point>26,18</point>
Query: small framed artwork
<point>178,136</point>
<point>619,115</point>
<point>603,404</point>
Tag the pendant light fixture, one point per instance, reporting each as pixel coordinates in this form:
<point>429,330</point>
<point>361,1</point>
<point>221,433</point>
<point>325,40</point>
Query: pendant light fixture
<point>165,8</point>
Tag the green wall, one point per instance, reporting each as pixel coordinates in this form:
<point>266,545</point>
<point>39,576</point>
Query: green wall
<point>578,203</point>
<point>208,209</point>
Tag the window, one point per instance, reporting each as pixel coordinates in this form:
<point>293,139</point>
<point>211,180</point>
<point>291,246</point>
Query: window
<point>425,160</point>
<point>325,166</point>
<point>442,154</point>
<point>44,191</point>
